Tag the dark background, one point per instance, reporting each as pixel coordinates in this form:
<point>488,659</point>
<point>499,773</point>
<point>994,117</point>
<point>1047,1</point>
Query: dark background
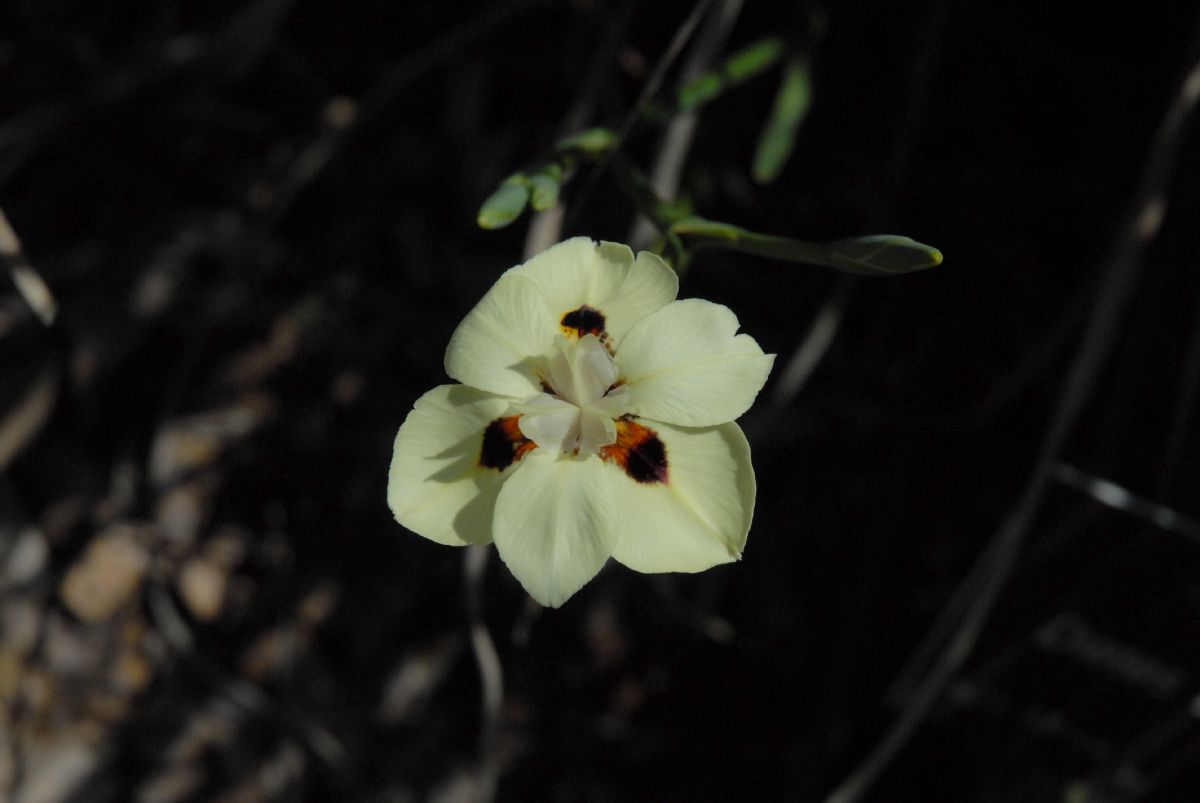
<point>258,220</point>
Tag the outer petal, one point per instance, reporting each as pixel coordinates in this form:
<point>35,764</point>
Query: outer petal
<point>436,486</point>
<point>553,524</point>
<point>686,364</point>
<point>604,276</point>
<point>501,343</point>
<point>700,516</point>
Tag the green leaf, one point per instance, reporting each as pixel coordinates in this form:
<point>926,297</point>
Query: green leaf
<point>779,136</point>
<point>545,189</point>
<point>875,255</point>
<point>505,204</point>
<point>592,142</point>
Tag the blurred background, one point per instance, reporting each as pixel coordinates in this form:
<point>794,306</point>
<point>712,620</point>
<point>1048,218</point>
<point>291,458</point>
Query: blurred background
<point>256,222</point>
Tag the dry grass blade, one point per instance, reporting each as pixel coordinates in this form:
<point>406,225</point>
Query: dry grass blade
<point>29,415</point>
<point>28,281</point>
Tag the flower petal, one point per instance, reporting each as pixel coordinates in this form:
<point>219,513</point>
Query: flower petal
<point>550,422</point>
<point>499,346</point>
<point>437,486</point>
<point>686,364</point>
<point>595,430</point>
<point>603,277</point>
<point>700,515</point>
<point>553,524</point>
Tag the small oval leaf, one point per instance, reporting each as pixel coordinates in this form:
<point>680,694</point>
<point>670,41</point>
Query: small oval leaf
<point>544,191</point>
<point>504,205</point>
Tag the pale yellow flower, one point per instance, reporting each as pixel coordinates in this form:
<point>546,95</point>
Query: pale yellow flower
<point>594,420</point>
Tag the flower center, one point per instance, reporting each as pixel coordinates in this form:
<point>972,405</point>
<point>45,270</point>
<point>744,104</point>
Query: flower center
<point>578,413</point>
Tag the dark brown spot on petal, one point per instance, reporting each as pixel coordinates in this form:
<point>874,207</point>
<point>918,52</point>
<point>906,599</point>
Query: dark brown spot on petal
<point>638,451</point>
<point>503,443</point>
<point>584,321</point>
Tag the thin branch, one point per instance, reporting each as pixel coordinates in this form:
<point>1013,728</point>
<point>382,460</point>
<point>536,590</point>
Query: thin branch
<point>546,227</point>
<point>1117,497</point>
<point>809,352</point>
<point>491,675</point>
<point>649,90</point>
<point>676,141</point>
<point>1181,416</point>
<point>996,563</point>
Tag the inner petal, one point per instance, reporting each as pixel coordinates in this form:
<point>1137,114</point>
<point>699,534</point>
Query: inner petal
<point>552,424</point>
<point>616,403</point>
<point>594,368</point>
<point>596,430</point>
<point>582,371</point>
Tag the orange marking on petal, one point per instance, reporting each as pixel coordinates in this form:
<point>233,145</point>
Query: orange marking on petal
<point>503,443</point>
<point>638,451</point>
